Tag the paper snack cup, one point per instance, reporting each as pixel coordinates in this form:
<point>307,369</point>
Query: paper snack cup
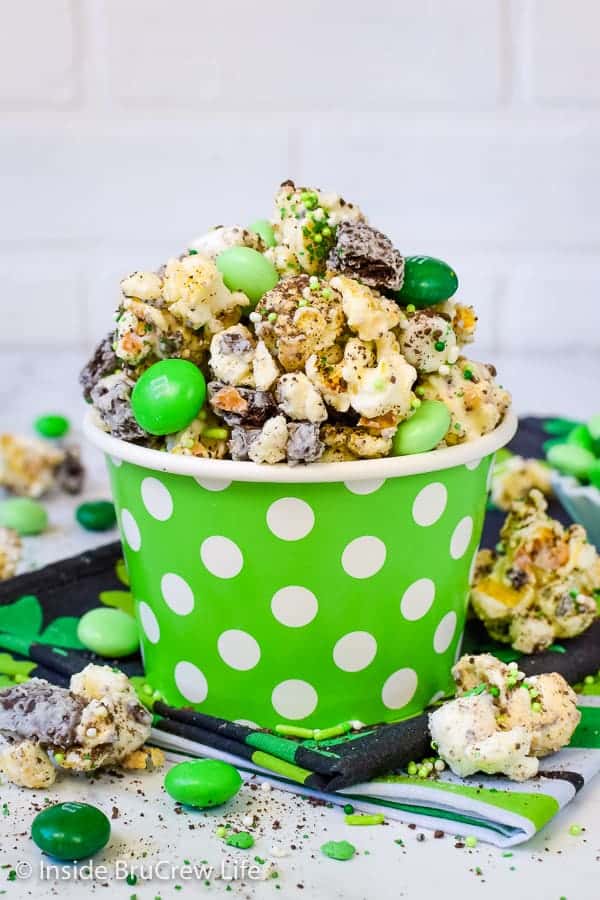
<point>311,594</point>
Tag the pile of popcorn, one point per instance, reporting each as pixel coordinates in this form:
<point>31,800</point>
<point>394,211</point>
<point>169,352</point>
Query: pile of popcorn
<point>326,365</point>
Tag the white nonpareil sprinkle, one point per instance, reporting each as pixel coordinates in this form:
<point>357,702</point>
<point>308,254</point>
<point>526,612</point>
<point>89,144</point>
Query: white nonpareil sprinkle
<point>255,317</point>
<point>439,765</point>
<point>91,732</point>
<point>278,851</point>
<point>444,369</point>
<point>357,724</point>
<point>248,821</point>
<point>265,786</point>
<point>453,354</point>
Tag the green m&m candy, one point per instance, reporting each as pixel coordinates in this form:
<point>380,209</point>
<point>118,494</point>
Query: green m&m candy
<point>96,515</point>
<point>24,515</point>
<point>168,396</point>
<point>264,229</point>
<point>108,632</point>
<point>247,270</point>
<point>571,459</point>
<point>424,430</point>
<point>581,437</point>
<point>202,782</point>
<point>51,426</point>
<point>427,280</point>
<point>71,831</point>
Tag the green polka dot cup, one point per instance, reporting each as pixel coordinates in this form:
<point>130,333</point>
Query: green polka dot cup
<point>312,594</point>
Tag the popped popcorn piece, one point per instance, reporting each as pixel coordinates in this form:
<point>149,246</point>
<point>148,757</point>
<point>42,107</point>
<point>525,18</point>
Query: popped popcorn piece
<point>500,721</point>
<point>364,253</point>
<point>540,584</point>
<point>325,370</point>
<point>27,465</point>
<point>10,552</point>
<point>350,442</point>
<point>427,340</point>
<point>514,477</point>
<point>476,403</point>
<point>270,445</point>
<point>298,399</point>
<point>264,368</point>
<point>232,356</point>
<point>223,237</point>
<point>27,765</point>
<point>305,220</point>
<point>378,377</point>
<point>146,758</point>
<point>112,399</point>
<point>299,318</point>
<point>463,319</point>
<point>195,293</point>
<point>144,286</point>
<point>284,260</point>
<point>368,313</point>
<point>145,332</point>
<point>204,437</point>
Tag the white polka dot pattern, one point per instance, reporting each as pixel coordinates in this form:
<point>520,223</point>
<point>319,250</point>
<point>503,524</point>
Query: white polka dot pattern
<point>211,484</point>
<point>294,606</point>
<point>444,633</point>
<point>294,699</point>
<point>417,599</point>
<point>355,651</point>
<point>290,519</point>
<point>399,689</point>
<point>366,486</point>
<point>221,556</point>
<point>429,504</point>
<point>131,530</point>
<point>157,499</point>
<point>149,623</point>
<point>364,557</point>
<point>177,594</point>
<point>190,682</point>
<point>461,537</point>
<point>238,649</point>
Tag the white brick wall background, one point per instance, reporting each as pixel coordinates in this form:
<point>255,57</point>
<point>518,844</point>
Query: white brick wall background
<point>467,129</point>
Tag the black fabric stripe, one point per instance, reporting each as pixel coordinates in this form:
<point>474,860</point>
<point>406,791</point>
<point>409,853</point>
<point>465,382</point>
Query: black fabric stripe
<point>573,778</point>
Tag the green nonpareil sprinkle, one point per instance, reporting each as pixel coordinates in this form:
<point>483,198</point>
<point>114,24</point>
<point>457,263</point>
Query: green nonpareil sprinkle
<point>467,374</point>
<point>507,854</point>
<point>259,860</point>
<point>575,830</point>
<point>471,841</point>
<point>348,809</point>
<point>272,317</point>
<point>359,819</point>
<point>5,809</point>
<point>217,434</point>
<point>440,345</point>
<point>474,692</point>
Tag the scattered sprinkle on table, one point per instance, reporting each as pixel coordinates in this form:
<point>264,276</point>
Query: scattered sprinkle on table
<point>340,850</point>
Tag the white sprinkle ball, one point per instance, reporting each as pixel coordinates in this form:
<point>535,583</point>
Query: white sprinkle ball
<point>265,786</point>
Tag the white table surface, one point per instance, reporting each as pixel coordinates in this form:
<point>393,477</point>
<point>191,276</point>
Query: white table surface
<point>148,830</point>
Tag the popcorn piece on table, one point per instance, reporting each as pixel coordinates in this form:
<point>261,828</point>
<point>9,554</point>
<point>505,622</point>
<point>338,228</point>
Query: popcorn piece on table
<point>10,552</point>
<point>539,584</point>
<point>27,465</point>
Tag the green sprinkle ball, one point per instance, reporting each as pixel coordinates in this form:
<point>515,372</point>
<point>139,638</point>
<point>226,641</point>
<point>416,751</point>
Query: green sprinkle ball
<point>24,515</point>
<point>202,783</point>
<point>51,425</point>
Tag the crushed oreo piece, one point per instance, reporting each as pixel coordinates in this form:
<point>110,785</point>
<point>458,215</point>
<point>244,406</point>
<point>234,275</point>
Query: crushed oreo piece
<point>112,399</point>
<point>241,405</point>
<point>103,362</point>
<point>304,444</point>
<point>70,474</point>
<point>241,440</point>
<point>40,711</point>
<point>368,255</point>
